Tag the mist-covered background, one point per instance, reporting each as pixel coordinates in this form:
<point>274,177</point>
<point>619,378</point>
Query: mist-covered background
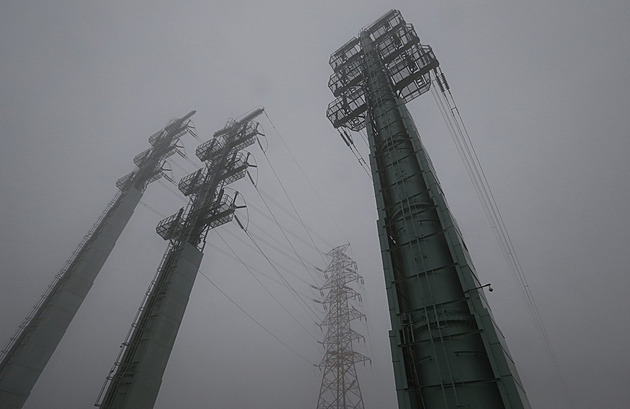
<point>543,90</point>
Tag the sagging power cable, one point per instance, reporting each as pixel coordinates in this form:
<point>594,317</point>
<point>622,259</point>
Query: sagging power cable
<point>347,138</point>
<point>256,321</point>
<point>283,232</point>
<point>288,213</point>
<point>154,210</point>
<point>266,289</point>
<point>459,133</point>
<point>258,271</point>
<point>246,243</point>
<point>293,291</point>
<point>307,179</point>
<point>289,231</point>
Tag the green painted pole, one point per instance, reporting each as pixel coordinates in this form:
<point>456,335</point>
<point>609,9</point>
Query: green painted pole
<point>446,348</point>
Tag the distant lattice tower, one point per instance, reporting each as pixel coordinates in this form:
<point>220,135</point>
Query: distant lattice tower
<point>340,384</point>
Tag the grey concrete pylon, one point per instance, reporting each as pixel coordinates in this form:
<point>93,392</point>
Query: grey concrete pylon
<point>28,352</point>
<point>135,379</point>
<point>25,362</point>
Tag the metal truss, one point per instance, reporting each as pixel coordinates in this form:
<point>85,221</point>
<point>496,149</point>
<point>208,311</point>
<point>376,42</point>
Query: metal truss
<point>340,384</point>
<point>407,64</point>
<point>150,162</point>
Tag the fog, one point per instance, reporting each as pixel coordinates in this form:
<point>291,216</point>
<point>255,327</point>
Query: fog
<point>542,90</point>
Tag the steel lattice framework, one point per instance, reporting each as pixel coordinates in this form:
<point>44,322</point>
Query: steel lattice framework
<point>446,348</point>
<point>340,384</point>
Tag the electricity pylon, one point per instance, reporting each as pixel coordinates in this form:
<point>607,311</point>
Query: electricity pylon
<point>23,359</point>
<point>135,379</point>
<point>340,384</point>
<point>446,348</point>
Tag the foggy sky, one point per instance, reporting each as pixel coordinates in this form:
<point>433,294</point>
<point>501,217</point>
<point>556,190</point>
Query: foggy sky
<point>543,91</point>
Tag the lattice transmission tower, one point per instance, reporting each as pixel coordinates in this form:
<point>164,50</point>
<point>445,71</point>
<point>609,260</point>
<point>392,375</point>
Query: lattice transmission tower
<point>446,347</point>
<point>340,385</point>
<point>24,357</point>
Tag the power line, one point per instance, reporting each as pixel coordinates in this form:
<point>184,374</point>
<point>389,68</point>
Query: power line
<point>162,215</point>
<point>461,137</point>
<point>266,289</point>
<point>277,248</point>
<point>289,231</point>
<point>292,206</point>
<point>284,234</point>
<point>177,193</point>
<point>280,251</point>
<point>256,321</point>
<point>225,253</point>
<point>280,275</point>
<point>306,177</point>
<point>355,151</point>
<point>270,198</point>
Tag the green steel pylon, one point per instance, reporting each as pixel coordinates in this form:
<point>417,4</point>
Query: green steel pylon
<point>446,348</point>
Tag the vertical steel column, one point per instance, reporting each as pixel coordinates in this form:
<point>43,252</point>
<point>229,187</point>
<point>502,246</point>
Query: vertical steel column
<point>446,348</point>
<point>30,350</point>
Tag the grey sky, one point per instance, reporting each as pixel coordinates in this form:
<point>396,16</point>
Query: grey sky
<point>543,91</point>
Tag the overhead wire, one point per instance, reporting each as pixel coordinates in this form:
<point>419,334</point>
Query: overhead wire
<point>289,231</point>
<point>154,210</point>
<point>256,321</point>
<point>277,247</point>
<point>288,213</point>
<point>461,137</point>
<point>355,151</point>
<point>180,167</point>
<point>306,177</point>
<point>184,155</point>
<point>265,287</point>
<point>364,137</point>
<point>486,198</point>
<point>281,276</point>
<point>294,209</point>
<point>284,234</point>
<point>177,193</point>
<point>270,278</point>
<point>283,187</point>
<point>275,262</point>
